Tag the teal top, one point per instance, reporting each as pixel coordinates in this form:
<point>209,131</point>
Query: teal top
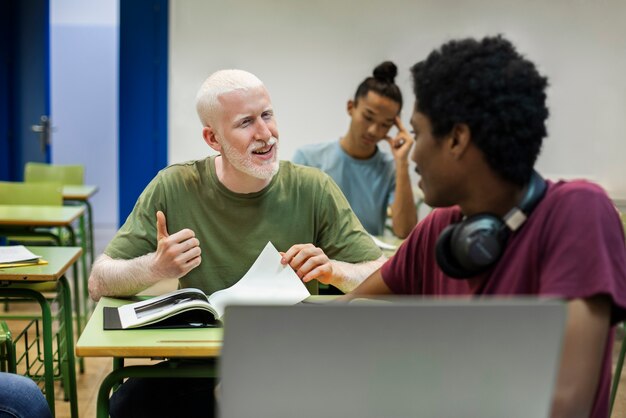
<point>369,184</point>
<point>300,205</point>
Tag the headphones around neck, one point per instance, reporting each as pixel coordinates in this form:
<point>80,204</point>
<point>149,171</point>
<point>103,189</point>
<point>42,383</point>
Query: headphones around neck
<point>473,245</point>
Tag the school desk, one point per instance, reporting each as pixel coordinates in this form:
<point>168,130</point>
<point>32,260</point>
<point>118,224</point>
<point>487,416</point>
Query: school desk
<point>23,219</point>
<point>12,285</point>
<point>181,343</point>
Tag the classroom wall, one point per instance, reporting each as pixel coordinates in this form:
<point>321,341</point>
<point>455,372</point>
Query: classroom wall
<point>312,56</point>
<point>84,87</point>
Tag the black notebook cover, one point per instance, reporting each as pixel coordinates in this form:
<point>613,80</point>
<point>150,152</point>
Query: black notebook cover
<point>188,319</point>
<point>111,318</point>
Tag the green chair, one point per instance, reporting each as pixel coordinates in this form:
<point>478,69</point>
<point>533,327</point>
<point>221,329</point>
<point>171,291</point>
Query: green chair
<point>66,175</point>
<point>46,173</point>
<point>7,350</point>
<point>37,194</point>
<point>18,193</point>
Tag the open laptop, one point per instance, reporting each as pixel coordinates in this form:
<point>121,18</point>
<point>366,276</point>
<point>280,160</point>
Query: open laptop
<point>488,358</point>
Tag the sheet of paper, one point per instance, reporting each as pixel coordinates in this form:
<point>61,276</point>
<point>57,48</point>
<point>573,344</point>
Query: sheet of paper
<point>266,282</point>
<point>15,254</point>
<point>383,245</point>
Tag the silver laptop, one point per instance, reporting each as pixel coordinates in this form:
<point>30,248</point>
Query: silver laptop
<point>488,358</point>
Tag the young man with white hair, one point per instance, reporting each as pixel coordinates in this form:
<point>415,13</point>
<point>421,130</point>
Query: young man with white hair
<point>204,222</point>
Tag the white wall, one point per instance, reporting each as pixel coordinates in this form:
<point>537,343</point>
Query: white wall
<point>84,84</point>
<point>313,54</point>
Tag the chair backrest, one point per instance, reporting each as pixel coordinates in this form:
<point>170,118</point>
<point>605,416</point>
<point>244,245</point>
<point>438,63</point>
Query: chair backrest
<point>64,174</point>
<point>18,193</point>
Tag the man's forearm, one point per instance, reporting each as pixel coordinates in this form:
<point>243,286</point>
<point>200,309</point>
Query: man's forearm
<point>347,276</point>
<point>586,330</point>
<point>371,287</point>
<point>112,277</point>
<point>403,209</point>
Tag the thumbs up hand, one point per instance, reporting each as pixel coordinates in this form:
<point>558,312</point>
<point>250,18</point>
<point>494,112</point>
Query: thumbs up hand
<point>176,254</point>
<point>161,226</point>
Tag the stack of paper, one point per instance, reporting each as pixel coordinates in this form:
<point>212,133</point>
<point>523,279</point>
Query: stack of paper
<point>18,255</point>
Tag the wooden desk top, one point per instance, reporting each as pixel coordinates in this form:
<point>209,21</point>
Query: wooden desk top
<point>59,260</point>
<point>145,343</point>
<point>81,192</point>
<point>31,215</point>
<point>150,343</point>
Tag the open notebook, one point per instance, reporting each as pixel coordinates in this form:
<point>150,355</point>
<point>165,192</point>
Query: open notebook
<point>483,359</point>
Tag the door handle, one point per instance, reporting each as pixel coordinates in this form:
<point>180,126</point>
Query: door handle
<point>44,129</point>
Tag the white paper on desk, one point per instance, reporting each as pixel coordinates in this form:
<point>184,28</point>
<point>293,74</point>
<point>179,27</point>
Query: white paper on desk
<point>16,254</point>
<point>383,245</point>
<point>267,282</point>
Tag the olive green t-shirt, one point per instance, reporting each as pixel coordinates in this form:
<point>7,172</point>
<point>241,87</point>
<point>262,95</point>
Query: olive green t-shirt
<point>300,205</point>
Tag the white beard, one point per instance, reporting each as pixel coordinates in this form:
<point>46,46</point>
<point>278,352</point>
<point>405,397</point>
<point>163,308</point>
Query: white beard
<point>244,163</point>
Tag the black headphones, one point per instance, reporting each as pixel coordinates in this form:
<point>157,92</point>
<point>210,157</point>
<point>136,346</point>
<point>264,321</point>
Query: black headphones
<point>471,246</point>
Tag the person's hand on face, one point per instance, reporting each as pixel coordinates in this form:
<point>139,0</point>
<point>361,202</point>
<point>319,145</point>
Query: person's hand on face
<point>309,262</point>
<point>176,254</point>
<point>401,144</point>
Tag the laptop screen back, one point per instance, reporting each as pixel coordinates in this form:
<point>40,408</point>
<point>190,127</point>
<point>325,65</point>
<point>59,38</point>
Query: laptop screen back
<point>423,359</point>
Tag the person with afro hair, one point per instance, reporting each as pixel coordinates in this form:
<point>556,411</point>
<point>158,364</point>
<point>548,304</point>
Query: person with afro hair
<point>500,229</point>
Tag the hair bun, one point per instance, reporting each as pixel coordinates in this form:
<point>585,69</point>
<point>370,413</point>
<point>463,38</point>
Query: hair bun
<point>386,72</point>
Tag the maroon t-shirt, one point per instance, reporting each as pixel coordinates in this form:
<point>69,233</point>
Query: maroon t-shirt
<point>572,246</point>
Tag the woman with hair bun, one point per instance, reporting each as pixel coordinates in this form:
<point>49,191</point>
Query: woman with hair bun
<point>371,179</point>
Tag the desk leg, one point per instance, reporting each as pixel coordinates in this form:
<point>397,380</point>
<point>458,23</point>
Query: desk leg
<point>83,265</point>
<point>90,241</point>
<point>83,241</point>
<point>86,232</point>
<point>86,266</point>
<point>69,342</point>
<point>78,300</point>
<point>46,319</point>
<point>200,370</point>
<point>118,363</point>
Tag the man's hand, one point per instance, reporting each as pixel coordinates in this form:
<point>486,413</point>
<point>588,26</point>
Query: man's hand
<point>401,144</point>
<point>176,254</point>
<point>403,209</point>
<point>309,262</point>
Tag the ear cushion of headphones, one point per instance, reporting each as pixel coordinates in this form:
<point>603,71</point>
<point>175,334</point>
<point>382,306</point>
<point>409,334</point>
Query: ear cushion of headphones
<point>467,248</point>
<point>444,257</point>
